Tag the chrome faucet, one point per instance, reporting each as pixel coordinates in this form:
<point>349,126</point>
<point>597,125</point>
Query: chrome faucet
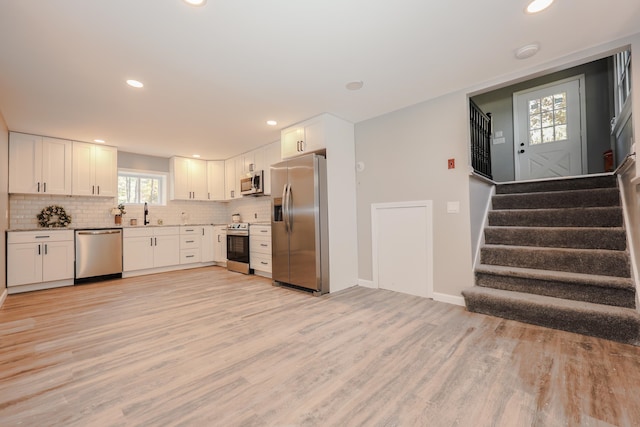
<point>146,213</point>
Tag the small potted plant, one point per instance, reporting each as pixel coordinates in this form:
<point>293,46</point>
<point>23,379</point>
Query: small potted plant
<point>118,212</point>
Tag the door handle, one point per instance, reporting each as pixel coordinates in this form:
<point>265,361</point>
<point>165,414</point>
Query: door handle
<point>284,206</point>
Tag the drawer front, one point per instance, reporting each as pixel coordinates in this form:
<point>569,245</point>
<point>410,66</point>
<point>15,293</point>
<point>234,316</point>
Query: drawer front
<point>189,242</point>
<point>260,230</point>
<point>166,231</point>
<point>137,232</point>
<point>260,244</point>
<point>188,256</point>
<point>260,262</point>
<point>39,236</point>
<point>190,230</point>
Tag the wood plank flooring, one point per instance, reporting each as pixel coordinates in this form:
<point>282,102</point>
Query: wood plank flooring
<point>207,347</point>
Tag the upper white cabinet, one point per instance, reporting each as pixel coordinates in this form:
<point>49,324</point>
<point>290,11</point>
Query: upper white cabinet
<point>233,171</point>
<point>271,157</point>
<point>188,179</point>
<point>95,170</point>
<point>39,165</point>
<point>215,179</point>
<point>305,137</point>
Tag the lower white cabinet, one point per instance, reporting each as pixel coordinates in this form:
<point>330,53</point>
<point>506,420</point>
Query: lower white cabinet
<point>190,242</point>
<point>152,247</point>
<point>220,244</point>
<point>260,247</point>
<point>35,257</point>
<point>207,244</point>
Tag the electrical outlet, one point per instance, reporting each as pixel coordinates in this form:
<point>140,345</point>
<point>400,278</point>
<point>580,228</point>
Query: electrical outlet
<point>451,163</point>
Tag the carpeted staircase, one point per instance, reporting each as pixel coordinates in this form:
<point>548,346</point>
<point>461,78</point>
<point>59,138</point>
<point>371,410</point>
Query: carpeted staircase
<point>555,255</point>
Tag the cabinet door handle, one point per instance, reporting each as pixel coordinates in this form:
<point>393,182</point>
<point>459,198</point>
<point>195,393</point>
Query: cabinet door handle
<point>203,231</point>
<point>98,190</point>
<point>46,249</point>
<point>93,189</point>
<point>209,196</point>
<point>39,246</point>
<point>38,187</point>
<point>44,186</point>
<point>155,239</point>
<point>218,238</point>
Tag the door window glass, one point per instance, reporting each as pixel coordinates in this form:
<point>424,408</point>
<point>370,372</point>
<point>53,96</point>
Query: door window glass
<point>548,119</point>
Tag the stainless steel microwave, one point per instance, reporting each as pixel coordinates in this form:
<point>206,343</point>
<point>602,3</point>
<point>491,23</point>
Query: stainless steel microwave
<point>252,184</point>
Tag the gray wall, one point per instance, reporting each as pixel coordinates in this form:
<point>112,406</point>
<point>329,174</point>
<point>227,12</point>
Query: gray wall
<point>142,162</point>
<point>405,156</point>
<point>4,198</point>
<point>598,108</point>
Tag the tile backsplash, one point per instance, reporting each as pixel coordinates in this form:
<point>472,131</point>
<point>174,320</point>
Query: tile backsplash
<point>96,211</point>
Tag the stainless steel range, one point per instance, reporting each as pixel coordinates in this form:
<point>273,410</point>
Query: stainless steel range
<point>238,247</point>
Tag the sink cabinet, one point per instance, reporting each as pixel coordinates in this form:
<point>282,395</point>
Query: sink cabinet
<point>153,247</point>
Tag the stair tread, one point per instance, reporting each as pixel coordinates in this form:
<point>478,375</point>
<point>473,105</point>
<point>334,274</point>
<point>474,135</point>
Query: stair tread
<point>562,276</point>
<point>552,185</point>
<point>547,248</point>
<point>553,229</point>
<point>558,192</point>
<point>593,208</point>
<point>557,303</point>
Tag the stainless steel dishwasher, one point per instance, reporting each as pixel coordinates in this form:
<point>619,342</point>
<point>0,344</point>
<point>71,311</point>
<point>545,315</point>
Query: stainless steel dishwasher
<point>98,254</point>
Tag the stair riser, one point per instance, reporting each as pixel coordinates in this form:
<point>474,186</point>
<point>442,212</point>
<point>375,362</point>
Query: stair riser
<point>613,239</point>
<point>588,217</point>
<point>572,199</point>
<point>558,185</point>
<point>578,292</point>
<point>608,263</point>
<point>617,329</point>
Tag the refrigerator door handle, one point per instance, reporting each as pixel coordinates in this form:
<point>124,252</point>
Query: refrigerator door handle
<point>289,211</point>
<point>284,207</point>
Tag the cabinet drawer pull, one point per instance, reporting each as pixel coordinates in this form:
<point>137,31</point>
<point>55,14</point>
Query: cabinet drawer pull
<point>190,256</point>
<point>264,231</point>
<point>189,241</point>
<point>264,245</point>
<point>42,237</point>
<point>264,263</point>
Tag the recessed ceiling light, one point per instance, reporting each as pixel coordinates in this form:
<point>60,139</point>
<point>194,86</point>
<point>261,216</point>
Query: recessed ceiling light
<point>356,85</point>
<point>527,51</point>
<point>135,83</point>
<point>197,156</point>
<point>538,6</point>
<point>195,2</point>
<point>99,141</point>
<point>272,122</point>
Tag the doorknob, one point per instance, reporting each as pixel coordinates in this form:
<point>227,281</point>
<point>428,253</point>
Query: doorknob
<point>521,151</point>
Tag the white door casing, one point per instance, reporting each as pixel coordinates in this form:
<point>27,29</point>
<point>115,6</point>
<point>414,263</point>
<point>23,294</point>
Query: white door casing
<point>550,131</point>
<point>402,247</point>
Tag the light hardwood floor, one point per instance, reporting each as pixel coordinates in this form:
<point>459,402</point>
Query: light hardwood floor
<point>207,347</point>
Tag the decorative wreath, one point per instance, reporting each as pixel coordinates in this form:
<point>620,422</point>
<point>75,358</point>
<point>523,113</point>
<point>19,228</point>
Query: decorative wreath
<point>53,216</point>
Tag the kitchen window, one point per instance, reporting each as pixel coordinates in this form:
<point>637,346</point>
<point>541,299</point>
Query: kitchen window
<point>138,187</point>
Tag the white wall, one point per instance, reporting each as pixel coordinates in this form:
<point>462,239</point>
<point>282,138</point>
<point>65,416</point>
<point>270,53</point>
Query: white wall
<point>405,156</point>
<point>480,192</point>
<point>4,201</point>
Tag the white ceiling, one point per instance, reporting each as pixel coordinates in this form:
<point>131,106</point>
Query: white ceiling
<point>213,75</point>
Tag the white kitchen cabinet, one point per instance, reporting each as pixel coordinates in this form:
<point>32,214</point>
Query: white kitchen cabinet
<point>215,179</point>
<point>188,179</point>
<point>260,247</point>
<point>35,257</point>
<point>95,170</point>
<point>271,157</point>
<point>190,244</point>
<point>207,245</point>
<point>233,172</point>
<point>305,137</point>
<point>39,165</point>
<point>220,244</point>
<point>152,247</point>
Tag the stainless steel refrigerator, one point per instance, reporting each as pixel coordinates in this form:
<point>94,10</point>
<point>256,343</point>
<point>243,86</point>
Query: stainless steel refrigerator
<point>299,234</point>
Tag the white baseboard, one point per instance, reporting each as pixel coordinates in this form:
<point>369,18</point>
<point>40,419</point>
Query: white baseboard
<point>3,296</point>
<point>449,299</point>
<point>366,283</point>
